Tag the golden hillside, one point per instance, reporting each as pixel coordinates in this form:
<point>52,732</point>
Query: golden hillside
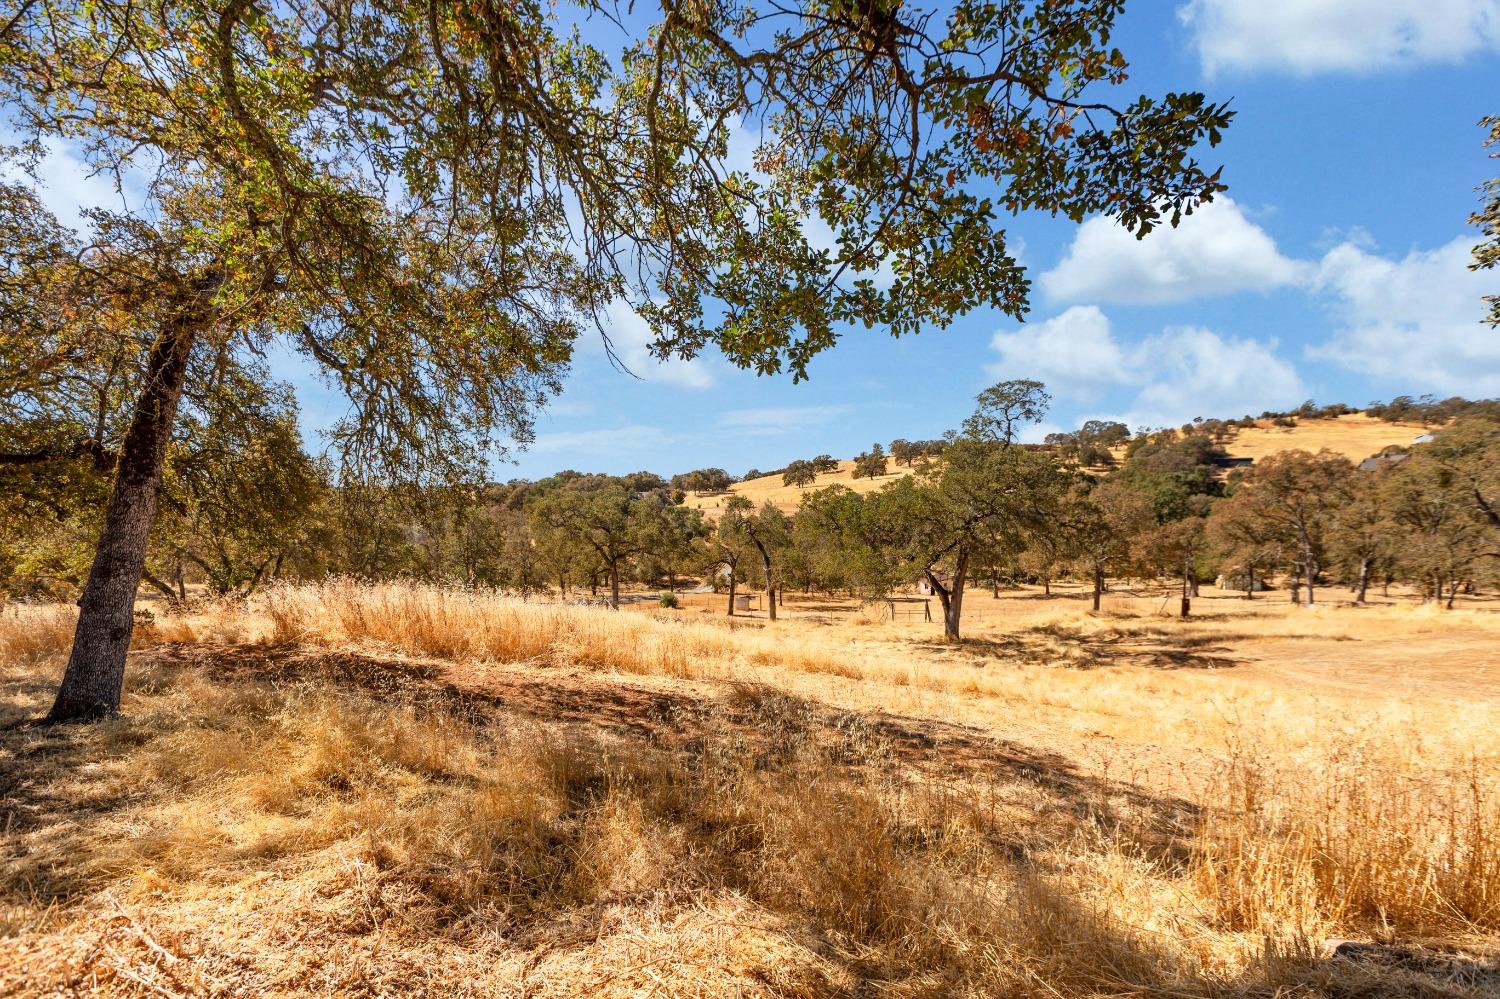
<point>787,498</point>
<point>1356,436</point>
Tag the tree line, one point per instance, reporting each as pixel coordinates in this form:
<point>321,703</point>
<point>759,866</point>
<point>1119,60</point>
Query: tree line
<point>245,507</point>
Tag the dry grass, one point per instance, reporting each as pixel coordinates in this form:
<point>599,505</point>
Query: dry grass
<point>788,498</point>
<point>1354,435</point>
<point>243,833</point>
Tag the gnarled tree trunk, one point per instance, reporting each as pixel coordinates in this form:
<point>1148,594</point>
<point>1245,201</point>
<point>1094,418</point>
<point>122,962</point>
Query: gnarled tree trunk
<point>951,597</point>
<point>95,675</point>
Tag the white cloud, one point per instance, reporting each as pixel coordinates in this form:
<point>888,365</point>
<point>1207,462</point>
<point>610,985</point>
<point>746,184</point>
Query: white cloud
<point>1412,322</point>
<point>66,185</point>
<point>1189,371</point>
<point>630,340</point>
<point>1176,375</point>
<point>781,419</point>
<point>1318,36</point>
<point>628,439</point>
<point>1073,351</point>
<point>1214,251</point>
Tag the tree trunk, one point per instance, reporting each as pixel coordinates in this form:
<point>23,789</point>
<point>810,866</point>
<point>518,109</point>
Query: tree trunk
<point>1310,573</point>
<point>160,585</point>
<point>1297,585</point>
<point>1452,592</point>
<point>614,585</point>
<point>1364,581</point>
<point>765,562</point>
<point>954,611</point>
<point>1046,586</point>
<point>1250,585</point>
<point>1187,603</point>
<point>951,598</point>
<point>731,591</point>
<point>1098,584</point>
<point>95,674</point>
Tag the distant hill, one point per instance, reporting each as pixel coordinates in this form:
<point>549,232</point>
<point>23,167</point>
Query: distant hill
<point>787,498</point>
<point>1354,435</point>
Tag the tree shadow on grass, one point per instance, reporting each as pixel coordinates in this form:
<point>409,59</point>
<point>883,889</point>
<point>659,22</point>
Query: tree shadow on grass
<point>1039,646</point>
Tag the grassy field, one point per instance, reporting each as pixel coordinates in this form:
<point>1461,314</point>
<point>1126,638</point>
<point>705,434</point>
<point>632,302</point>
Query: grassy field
<point>1356,436</point>
<point>409,791</point>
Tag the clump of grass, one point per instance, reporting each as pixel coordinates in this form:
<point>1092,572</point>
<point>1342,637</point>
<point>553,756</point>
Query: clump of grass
<point>1353,841</point>
<point>35,633</point>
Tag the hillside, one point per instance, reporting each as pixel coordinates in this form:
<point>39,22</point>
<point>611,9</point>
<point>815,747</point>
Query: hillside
<point>787,498</point>
<point>1356,436</point>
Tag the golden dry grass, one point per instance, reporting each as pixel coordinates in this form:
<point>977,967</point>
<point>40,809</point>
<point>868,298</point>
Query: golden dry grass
<point>788,498</point>
<point>454,793</point>
<point>1353,435</point>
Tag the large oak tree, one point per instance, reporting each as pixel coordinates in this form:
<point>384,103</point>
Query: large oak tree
<point>430,199</point>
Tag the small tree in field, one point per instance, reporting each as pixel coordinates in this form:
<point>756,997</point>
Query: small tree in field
<point>800,474</point>
<point>871,465</point>
<point>1291,497</point>
<point>1101,527</point>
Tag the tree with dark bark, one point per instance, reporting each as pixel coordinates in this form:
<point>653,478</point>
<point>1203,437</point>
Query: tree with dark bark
<point>1003,408</point>
<point>800,474</point>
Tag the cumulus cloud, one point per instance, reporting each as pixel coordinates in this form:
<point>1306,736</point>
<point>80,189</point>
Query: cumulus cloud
<point>1074,349</point>
<point>1214,251</point>
<point>1189,371</point>
<point>630,340</point>
<point>1170,378</point>
<point>1305,37</point>
<point>1413,322</point>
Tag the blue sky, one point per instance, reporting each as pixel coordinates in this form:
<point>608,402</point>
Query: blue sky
<point>1336,269</point>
